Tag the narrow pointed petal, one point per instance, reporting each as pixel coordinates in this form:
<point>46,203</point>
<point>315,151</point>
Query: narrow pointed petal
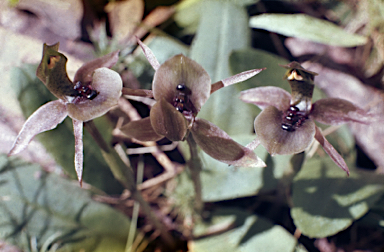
<point>267,96</point>
<point>219,145</point>
<point>235,79</point>
<point>328,148</point>
<point>85,72</point>
<point>45,118</point>
<point>279,141</point>
<point>167,121</point>
<point>141,130</point>
<point>149,55</point>
<point>254,144</point>
<point>241,76</point>
<point>333,111</point>
<point>182,70</point>
<point>79,156</point>
<point>108,84</point>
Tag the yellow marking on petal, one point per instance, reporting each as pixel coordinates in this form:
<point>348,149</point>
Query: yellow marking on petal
<point>295,76</point>
<point>52,61</point>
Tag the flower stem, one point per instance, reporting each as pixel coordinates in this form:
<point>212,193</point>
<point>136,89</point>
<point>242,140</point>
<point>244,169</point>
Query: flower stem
<point>125,175</point>
<point>195,165</point>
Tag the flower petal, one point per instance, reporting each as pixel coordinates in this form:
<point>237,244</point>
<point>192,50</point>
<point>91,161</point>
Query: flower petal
<point>167,121</point>
<point>79,156</point>
<point>235,79</point>
<point>267,96</point>
<point>45,118</point>
<point>334,111</point>
<point>108,84</point>
<point>85,72</point>
<point>42,69</point>
<point>219,145</point>
<point>149,55</point>
<point>141,130</point>
<point>182,70</point>
<point>279,141</point>
<point>328,148</point>
<point>52,72</point>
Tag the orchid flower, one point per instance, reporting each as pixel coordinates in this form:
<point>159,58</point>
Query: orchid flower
<point>286,124</point>
<point>94,91</point>
<point>181,87</point>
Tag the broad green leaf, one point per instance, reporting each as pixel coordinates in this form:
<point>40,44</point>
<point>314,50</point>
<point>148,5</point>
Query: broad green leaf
<point>42,206</point>
<point>327,202</point>
<point>60,142</point>
<point>249,58</point>
<point>217,36</point>
<point>375,217</point>
<point>222,182</point>
<point>188,12</point>
<point>307,27</point>
<point>249,233</point>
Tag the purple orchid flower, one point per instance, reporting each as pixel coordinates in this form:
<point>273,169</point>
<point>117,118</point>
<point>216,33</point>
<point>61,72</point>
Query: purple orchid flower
<point>286,124</point>
<point>181,87</point>
<point>94,91</point>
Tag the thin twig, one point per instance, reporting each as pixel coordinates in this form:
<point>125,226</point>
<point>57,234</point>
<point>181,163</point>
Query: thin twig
<point>124,174</point>
<point>136,208</point>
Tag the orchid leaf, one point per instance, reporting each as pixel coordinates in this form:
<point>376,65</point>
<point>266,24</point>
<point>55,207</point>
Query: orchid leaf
<point>188,12</point>
<point>249,58</point>
<point>42,206</point>
<point>230,115</point>
<point>327,202</point>
<point>307,27</point>
<point>141,130</point>
<point>31,94</point>
<point>245,232</point>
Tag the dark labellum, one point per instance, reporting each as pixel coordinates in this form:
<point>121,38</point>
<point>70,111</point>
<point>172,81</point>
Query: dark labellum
<point>182,102</point>
<point>85,91</point>
<point>293,118</point>
<point>181,99</point>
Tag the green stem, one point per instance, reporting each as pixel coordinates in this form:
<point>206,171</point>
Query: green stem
<point>125,175</point>
<point>195,165</point>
